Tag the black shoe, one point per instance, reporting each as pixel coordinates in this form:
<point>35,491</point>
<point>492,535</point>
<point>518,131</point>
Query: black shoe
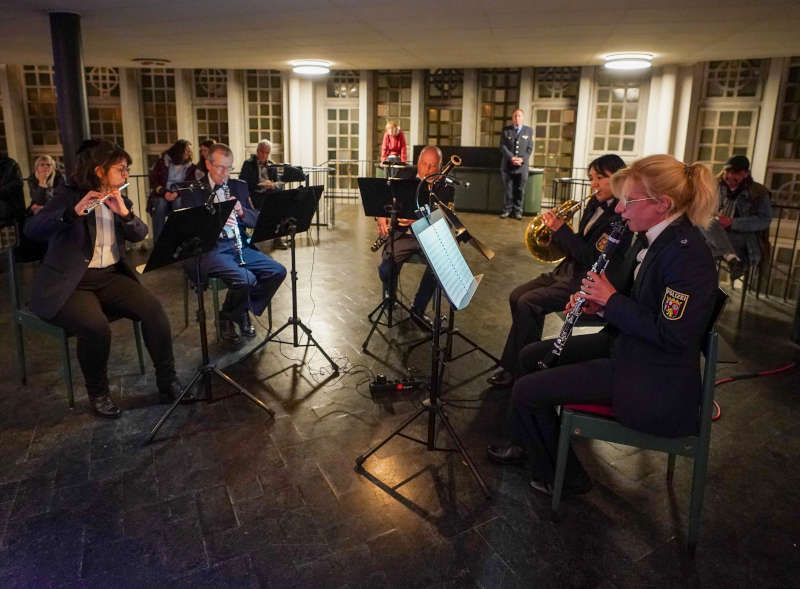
<point>171,391</point>
<point>518,216</point>
<point>421,320</point>
<point>104,406</point>
<point>505,215</point>
<point>229,336</point>
<point>735,269</point>
<point>510,454</point>
<point>279,244</point>
<point>501,378</point>
<point>246,326</point>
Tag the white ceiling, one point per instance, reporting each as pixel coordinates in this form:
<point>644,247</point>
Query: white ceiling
<point>405,33</point>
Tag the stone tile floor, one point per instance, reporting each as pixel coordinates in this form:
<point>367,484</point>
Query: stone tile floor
<point>229,497</point>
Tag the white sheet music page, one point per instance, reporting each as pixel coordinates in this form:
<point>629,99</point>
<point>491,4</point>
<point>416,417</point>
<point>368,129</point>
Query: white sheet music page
<point>443,255</point>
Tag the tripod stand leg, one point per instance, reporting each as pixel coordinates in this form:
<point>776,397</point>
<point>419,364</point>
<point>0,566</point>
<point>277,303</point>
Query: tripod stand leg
<point>243,391</point>
<point>375,310</point>
<point>375,324</point>
<point>198,375</point>
<point>265,341</point>
<point>314,343</point>
<point>360,460</point>
<point>463,451</point>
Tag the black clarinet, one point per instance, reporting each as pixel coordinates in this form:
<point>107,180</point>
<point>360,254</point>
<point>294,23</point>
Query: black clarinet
<point>378,243</point>
<point>599,266</point>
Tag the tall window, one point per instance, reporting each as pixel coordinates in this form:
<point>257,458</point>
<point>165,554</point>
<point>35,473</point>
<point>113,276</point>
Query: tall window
<point>158,109</point>
<point>392,103</point>
<point>42,115</point>
<point>341,106</point>
<point>211,104</point>
<point>616,116</point>
<point>265,110</point>
<point>787,139</point>
<point>3,142</point>
<point>444,97</point>
<point>105,109</point>
<point>729,110</point>
<point>555,102</point>
<point>499,98</point>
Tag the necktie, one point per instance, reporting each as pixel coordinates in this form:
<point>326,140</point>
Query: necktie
<point>639,249</point>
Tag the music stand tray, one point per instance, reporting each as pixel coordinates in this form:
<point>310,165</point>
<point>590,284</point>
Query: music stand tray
<point>189,233</point>
<point>286,213</point>
<point>454,277</point>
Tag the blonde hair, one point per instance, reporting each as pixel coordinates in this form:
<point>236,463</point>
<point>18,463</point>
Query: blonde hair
<point>52,175</point>
<point>393,125</point>
<point>690,187</point>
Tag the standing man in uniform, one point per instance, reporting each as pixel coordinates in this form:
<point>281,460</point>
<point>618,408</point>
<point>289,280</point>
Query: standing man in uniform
<point>516,146</point>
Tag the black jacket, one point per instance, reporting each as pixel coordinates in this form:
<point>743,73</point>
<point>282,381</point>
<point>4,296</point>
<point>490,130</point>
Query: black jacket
<point>250,174</point>
<point>516,144</point>
<point>582,250</point>
<point>12,199</point>
<point>70,248</point>
<point>661,325</point>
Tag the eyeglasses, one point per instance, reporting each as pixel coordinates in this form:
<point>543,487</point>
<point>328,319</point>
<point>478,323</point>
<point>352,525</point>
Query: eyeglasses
<point>122,169</point>
<point>222,168</point>
<point>625,203</point>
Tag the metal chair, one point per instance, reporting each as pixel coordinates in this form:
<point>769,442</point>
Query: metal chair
<point>23,317</point>
<point>597,422</point>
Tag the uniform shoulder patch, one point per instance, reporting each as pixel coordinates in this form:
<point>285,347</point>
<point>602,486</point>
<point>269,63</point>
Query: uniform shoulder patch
<point>601,243</point>
<point>674,304</point>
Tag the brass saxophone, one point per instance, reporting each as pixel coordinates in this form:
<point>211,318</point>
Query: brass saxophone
<point>237,236</point>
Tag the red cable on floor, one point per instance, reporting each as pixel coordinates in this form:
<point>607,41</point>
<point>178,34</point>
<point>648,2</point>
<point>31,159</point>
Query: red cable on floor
<point>718,410</point>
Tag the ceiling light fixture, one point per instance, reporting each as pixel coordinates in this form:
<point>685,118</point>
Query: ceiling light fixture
<point>311,67</point>
<point>629,61</point>
<point>151,61</point>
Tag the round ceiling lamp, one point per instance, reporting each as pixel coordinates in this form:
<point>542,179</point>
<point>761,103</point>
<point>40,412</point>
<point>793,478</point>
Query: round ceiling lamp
<point>629,61</point>
<point>151,61</point>
<point>311,67</point>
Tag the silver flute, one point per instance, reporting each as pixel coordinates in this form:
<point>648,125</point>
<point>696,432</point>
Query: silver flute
<point>96,203</point>
<point>237,236</point>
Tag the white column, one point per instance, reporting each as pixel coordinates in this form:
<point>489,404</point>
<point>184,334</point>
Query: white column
<point>236,130</point>
<point>583,118</point>
<point>184,105</point>
<point>766,119</point>
<point>660,107</point>
<point>680,126</point>
<point>301,121</point>
<point>285,123</point>
<point>416,134</point>
<point>130,98</point>
<point>470,116</point>
<point>366,102</point>
<point>13,93</point>
<point>526,93</point>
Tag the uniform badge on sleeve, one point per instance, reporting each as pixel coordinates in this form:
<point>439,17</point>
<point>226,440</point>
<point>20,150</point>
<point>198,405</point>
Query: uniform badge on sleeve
<point>601,243</point>
<point>674,304</point>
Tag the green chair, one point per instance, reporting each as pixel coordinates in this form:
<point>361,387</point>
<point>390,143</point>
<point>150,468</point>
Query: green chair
<point>216,285</point>
<point>597,422</point>
<point>23,317</point>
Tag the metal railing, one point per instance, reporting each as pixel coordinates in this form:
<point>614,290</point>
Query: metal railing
<point>564,189</point>
<point>779,276</point>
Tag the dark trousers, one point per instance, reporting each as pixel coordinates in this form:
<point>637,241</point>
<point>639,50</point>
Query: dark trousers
<point>514,187</point>
<point>530,303</point>
<point>107,292</point>
<point>250,286</point>
<point>584,375</point>
<point>405,245</point>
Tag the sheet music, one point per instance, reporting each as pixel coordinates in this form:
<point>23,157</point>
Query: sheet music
<point>442,251</point>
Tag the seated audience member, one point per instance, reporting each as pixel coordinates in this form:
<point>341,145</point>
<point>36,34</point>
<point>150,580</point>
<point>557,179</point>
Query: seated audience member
<point>12,199</point>
<point>200,168</point>
<point>85,276</point>
<point>549,292</point>
<point>406,245</point>
<point>172,168</point>
<point>251,286</point>
<point>44,180</point>
<point>261,176</point>
<point>646,362</point>
<point>743,217</point>
<point>394,143</point>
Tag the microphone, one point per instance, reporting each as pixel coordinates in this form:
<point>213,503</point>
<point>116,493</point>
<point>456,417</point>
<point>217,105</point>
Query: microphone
<point>454,181</point>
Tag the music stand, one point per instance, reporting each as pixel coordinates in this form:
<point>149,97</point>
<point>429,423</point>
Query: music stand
<point>454,278</point>
<point>189,233</point>
<point>395,198</point>
<point>289,212</point>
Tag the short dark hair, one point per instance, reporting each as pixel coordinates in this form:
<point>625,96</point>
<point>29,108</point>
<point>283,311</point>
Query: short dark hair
<point>104,154</point>
<point>220,148</point>
<point>208,142</point>
<point>607,164</point>
<point>177,150</point>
